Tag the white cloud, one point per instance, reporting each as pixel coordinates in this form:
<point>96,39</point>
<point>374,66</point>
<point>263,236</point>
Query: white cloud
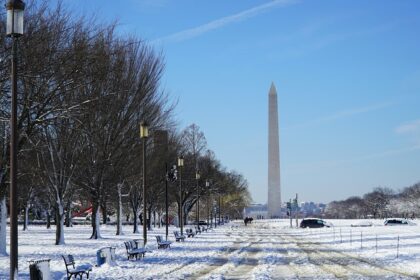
<point>412,127</point>
<point>221,22</point>
<point>304,47</point>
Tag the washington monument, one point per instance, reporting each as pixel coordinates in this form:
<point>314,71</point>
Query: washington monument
<point>274,197</point>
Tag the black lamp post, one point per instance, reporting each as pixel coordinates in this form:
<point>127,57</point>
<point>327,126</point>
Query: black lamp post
<point>144,134</point>
<point>166,199</point>
<point>181,212</point>
<point>208,201</point>
<point>170,176</point>
<point>14,28</point>
<point>220,207</point>
<point>197,177</point>
<point>215,213</point>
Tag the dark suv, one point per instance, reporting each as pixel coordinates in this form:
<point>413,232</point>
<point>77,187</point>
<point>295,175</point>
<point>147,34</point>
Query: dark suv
<point>313,223</point>
<point>397,222</point>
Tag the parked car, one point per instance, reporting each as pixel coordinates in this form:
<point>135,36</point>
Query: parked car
<point>82,219</point>
<point>314,223</point>
<point>200,223</point>
<point>398,222</point>
<point>362,224</point>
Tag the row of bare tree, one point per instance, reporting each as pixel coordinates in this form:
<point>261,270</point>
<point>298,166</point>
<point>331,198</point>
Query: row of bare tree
<point>379,203</point>
<point>83,91</point>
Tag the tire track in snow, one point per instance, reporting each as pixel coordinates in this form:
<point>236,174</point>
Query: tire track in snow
<point>218,261</point>
<point>294,264</point>
<point>239,261</point>
<point>343,265</point>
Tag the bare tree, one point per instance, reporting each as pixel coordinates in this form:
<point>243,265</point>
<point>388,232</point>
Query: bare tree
<point>48,69</point>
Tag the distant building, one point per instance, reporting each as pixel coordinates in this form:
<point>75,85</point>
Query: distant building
<point>312,209</point>
<point>256,211</point>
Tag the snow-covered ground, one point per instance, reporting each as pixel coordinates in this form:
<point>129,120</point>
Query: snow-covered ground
<point>266,249</point>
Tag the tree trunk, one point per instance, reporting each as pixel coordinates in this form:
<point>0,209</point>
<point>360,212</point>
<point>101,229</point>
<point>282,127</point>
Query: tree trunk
<point>25,217</point>
<point>3,224</point>
<point>149,221</point>
<point>68,220</point>
<point>135,225</point>
<point>119,212</point>
<point>48,218</point>
<point>59,223</point>
<point>154,219</point>
<point>104,215</point>
<point>96,233</point>
<point>185,218</point>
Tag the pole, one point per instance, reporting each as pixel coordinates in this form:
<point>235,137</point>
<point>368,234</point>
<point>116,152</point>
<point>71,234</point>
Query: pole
<point>211,214</point>
<point>166,199</point>
<point>208,212</point>
<point>297,211</point>
<point>220,205</point>
<point>13,170</point>
<point>180,201</point>
<point>215,214</point>
<point>144,194</point>
<point>198,204</point>
<point>290,214</point>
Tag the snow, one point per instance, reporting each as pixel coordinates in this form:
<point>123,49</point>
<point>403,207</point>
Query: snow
<point>265,249</point>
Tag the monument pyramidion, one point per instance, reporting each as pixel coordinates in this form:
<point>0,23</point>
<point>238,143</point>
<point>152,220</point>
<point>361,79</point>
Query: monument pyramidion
<point>274,196</point>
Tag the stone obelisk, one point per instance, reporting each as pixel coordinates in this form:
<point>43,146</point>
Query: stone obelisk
<point>274,197</point>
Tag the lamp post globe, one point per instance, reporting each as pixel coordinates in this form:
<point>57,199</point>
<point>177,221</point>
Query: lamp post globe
<point>181,161</point>
<point>14,29</point>
<point>15,11</point>
<point>144,130</point>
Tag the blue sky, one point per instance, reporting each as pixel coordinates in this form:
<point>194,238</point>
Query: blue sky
<point>347,75</point>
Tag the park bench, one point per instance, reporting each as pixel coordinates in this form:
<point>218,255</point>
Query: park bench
<point>133,250</point>
<point>189,232</point>
<point>162,243</point>
<point>179,237</point>
<point>197,230</point>
<point>39,269</point>
<point>80,270</point>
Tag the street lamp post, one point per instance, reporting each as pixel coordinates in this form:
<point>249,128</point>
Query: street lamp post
<point>215,214</point>
<point>180,165</point>
<point>208,201</point>
<point>219,208</point>
<point>166,200</point>
<point>197,177</point>
<point>170,176</point>
<point>144,134</point>
<point>14,28</point>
